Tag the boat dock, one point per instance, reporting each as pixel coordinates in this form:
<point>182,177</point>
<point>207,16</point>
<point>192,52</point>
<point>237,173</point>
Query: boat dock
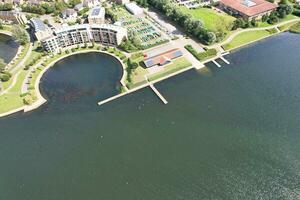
<point>215,62</point>
<point>151,83</point>
<point>226,61</point>
<point>158,94</point>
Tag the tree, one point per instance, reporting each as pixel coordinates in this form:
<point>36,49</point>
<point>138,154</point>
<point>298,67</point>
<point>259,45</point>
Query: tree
<point>1,25</point>
<point>46,21</point>
<point>2,65</point>
<point>19,35</point>
<point>6,7</point>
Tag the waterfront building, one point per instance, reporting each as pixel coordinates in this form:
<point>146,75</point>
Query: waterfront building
<point>91,3</point>
<point>162,58</point>
<point>7,1</point>
<point>39,29</point>
<point>69,14</point>
<point>96,15</point>
<point>104,34</point>
<point>248,9</point>
<point>34,2</point>
<point>14,17</point>
<point>79,7</point>
<point>134,9</point>
<point>18,2</point>
<point>122,1</point>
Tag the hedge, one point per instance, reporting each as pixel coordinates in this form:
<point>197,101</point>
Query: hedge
<point>203,55</point>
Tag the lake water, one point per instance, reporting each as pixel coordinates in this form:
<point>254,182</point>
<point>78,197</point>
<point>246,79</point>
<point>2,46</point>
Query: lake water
<point>227,133</point>
<point>8,48</point>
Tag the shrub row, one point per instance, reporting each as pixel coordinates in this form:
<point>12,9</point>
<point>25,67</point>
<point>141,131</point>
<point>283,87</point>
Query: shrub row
<point>203,55</point>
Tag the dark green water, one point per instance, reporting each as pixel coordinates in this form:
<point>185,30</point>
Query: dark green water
<point>8,48</point>
<point>229,133</point>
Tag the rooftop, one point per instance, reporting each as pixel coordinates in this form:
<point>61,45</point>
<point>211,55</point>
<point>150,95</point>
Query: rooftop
<point>97,12</point>
<point>38,24</point>
<point>163,58</point>
<point>249,7</point>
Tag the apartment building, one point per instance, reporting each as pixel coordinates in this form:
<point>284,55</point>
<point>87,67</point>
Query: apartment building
<point>105,34</point>
<point>96,15</point>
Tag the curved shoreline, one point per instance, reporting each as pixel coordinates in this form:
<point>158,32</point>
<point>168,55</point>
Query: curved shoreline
<point>41,100</point>
<point>8,33</point>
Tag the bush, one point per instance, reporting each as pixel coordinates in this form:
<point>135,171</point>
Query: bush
<point>203,55</point>
<point>7,73</point>
<point>26,67</point>
<point>4,77</point>
<point>27,100</point>
<point>272,31</point>
<point>207,54</point>
<point>296,12</point>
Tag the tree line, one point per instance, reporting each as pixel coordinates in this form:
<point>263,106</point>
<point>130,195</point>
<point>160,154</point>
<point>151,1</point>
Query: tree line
<point>6,7</point>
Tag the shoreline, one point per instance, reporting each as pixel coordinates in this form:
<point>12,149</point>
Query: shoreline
<point>8,33</point>
<point>41,100</point>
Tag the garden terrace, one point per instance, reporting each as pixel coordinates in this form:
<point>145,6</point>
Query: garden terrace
<point>140,28</point>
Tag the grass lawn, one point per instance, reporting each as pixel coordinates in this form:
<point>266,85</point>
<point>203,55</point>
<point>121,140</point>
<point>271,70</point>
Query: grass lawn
<point>295,28</point>
<point>176,65</point>
<point>288,17</point>
<point>12,99</point>
<point>211,18</point>
<point>246,37</point>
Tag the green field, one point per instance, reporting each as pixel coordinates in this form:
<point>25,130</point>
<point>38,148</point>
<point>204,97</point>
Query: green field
<point>211,18</point>
<point>245,38</point>
<point>12,99</point>
<point>295,28</point>
<point>176,65</point>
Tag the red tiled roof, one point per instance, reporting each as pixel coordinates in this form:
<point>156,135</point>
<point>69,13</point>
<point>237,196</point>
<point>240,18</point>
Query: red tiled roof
<point>162,58</point>
<point>260,6</point>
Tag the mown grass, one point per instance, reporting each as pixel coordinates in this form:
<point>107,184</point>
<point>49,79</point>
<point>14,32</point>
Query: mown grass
<point>245,38</point>
<point>176,65</point>
<point>12,100</point>
<point>212,19</point>
<point>295,28</point>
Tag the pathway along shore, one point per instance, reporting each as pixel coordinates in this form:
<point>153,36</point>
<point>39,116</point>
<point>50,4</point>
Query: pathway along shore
<point>40,99</point>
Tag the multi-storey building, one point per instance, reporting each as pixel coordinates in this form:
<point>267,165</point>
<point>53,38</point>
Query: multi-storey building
<point>13,16</point>
<point>105,34</point>
<point>40,29</point>
<point>96,15</point>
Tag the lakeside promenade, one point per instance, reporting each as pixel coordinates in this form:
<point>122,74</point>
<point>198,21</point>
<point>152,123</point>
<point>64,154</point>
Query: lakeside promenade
<point>40,100</point>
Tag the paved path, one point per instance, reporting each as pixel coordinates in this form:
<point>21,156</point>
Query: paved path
<point>21,64</point>
<point>26,80</point>
<point>15,78</point>
<point>15,72</point>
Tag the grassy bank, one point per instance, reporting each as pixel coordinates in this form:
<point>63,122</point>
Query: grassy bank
<point>212,19</point>
<point>247,37</point>
<point>176,65</point>
<point>201,56</point>
<point>295,28</point>
<point>12,100</point>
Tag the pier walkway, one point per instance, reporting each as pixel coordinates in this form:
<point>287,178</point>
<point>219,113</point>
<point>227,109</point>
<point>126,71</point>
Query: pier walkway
<point>158,94</point>
<point>151,83</point>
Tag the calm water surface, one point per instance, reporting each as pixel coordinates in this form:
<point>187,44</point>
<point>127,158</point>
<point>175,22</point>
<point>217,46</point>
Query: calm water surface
<point>227,133</point>
<point>8,48</point>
